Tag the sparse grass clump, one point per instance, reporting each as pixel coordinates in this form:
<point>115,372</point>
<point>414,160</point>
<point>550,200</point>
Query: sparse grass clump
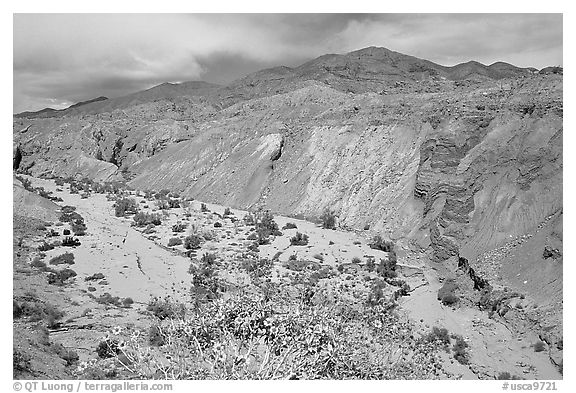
<point>300,239</point>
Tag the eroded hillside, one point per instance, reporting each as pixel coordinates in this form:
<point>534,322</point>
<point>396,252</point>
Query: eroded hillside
<point>460,163</point>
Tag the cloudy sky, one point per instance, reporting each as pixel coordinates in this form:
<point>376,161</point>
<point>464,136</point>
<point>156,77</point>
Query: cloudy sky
<point>60,59</point>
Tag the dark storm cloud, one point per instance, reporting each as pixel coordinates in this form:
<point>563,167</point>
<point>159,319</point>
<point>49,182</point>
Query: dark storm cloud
<point>60,59</point>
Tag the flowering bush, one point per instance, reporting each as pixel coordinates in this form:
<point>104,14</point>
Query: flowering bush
<point>273,334</point>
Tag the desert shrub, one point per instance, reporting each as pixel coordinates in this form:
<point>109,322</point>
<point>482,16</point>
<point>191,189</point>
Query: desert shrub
<point>550,252</point>
<point>108,348</point>
<point>127,302</point>
<point>366,227</point>
<point>94,277</point>
<point>459,350</point>
<point>370,264</point>
<point>155,336</point>
<point>376,294</point>
<point>142,219</point>
<point>60,277</point>
<point>227,212</point>
<point>539,346</point>
<point>78,228</point>
<point>446,294</point>
<point>69,217</point>
<point>175,241</point>
<point>66,258</point>
<point>203,208</point>
<point>253,247</point>
<point>262,236</point>
<point>356,260</point>
<point>387,268</point>
<point>68,355</point>
<point>205,283</point>
<point>45,246</point>
<point>125,206</point>
<point>179,227</point>
<point>208,234</point>
<point>252,236</point>
<point>289,225</point>
<point>68,209</point>
<point>166,308</point>
<point>16,309</point>
<point>378,243</point>
<point>449,299</point>
<point>38,263</point>
<point>249,219</point>
<point>217,225</point>
<point>299,239</point>
<point>506,376</point>
<point>258,268</point>
<point>192,242</point>
<point>438,334</point>
<point>301,265</point>
<point>162,194</point>
<point>328,219</point>
<point>69,241</point>
<point>66,232</point>
<point>293,257</point>
<point>38,311</point>
<point>20,362</point>
<point>107,298</point>
<point>52,233</point>
<point>173,203</point>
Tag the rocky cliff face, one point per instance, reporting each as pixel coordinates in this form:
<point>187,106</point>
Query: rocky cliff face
<point>457,167</point>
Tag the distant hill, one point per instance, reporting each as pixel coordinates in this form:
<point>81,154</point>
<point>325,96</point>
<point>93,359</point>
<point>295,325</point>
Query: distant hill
<point>370,69</point>
<point>49,112</point>
<point>104,104</point>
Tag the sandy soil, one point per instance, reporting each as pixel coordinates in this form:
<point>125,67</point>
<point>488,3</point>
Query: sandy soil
<point>141,265</point>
